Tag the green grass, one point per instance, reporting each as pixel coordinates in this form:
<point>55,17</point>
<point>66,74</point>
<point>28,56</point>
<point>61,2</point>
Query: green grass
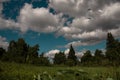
<point>13,71</point>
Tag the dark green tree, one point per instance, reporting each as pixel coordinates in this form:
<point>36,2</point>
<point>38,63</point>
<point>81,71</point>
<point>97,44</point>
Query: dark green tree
<point>112,50</point>
<point>17,51</point>
<point>2,52</point>
<point>98,57</point>
<point>71,55</point>
<point>110,42</point>
<point>32,54</point>
<point>11,54</point>
<point>87,58</point>
<point>42,60</point>
<point>60,58</point>
<point>22,50</point>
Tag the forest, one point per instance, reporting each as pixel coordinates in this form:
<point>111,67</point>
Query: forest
<point>21,52</point>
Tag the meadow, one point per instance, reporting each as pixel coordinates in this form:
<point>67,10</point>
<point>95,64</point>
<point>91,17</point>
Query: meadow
<point>14,71</point>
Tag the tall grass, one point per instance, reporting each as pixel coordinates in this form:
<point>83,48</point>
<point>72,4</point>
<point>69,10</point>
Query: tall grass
<point>13,71</point>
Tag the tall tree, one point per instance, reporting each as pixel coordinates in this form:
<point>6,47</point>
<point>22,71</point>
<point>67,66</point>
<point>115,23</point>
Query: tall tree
<point>99,57</point>
<point>110,42</point>
<point>22,49</point>
<point>112,50</point>
<point>11,54</point>
<point>86,58</point>
<point>60,58</point>
<point>71,55</point>
<point>32,54</point>
<point>17,51</point>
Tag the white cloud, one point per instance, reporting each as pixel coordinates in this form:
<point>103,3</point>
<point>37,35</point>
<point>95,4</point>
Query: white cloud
<point>50,54</point>
<point>66,51</point>
<point>111,11</point>
<point>96,34</point>
<point>81,22</point>
<point>77,8</point>
<point>70,7</point>
<point>37,19</point>
<point>3,43</point>
<point>91,27</point>
<point>67,31</point>
<point>92,20</point>
<point>6,24</point>
<point>82,43</point>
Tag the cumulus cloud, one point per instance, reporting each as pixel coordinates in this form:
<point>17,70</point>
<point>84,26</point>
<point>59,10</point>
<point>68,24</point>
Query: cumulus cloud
<point>66,51</point>
<point>82,43</point>
<point>3,43</point>
<point>93,19</point>
<point>6,24</point>
<point>50,54</point>
<point>78,8</point>
<point>37,19</point>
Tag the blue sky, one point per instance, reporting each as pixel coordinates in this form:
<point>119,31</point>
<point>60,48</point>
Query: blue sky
<point>55,24</point>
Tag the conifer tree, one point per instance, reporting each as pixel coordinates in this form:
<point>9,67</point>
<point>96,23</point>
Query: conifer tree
<point>71,55</point>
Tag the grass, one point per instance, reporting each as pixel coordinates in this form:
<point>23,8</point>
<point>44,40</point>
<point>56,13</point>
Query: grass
<point>14,71</point>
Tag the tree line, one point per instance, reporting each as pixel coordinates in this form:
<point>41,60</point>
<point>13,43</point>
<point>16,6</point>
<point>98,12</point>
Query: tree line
<point>20,52</point>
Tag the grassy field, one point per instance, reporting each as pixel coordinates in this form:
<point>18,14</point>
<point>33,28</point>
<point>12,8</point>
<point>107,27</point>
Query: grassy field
<point>13,71</point>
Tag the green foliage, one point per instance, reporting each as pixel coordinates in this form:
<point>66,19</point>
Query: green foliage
<point>22,49</point>
<point>42,61</point>
<point>11,54</point>
<point>32,54</point>
<point>99,57</point>
<point>14,71</point>
<point>2,52</point>
<point>60,58</point>
<point>111,57</point>
<point>20,52</point>
<point>110,43</point>
<point>98,53</point>
<point>70,62</point>
<point>17,51</point>
<point>87,58</point>
<point>71,55</point>
<point>112,50</point>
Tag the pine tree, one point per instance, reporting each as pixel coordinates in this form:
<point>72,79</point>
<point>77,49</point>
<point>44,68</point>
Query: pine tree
<point>71,55</point>
<point>110,43</point>
<point>112,50</point>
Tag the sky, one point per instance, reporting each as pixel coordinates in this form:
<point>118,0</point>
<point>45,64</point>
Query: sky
<point>56,24</point>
